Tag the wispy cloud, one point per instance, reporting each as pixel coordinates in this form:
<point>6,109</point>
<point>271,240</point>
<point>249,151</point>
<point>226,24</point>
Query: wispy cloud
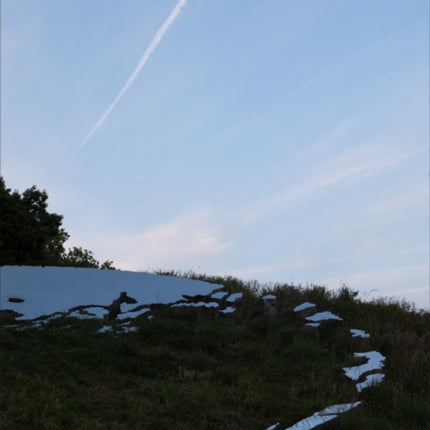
<point>372,248</point>
<point>149,50</point>
<point>290,266</point>
<point>390,277</point>
<point>406,206</point>
<point>389,282</point>
<point>337,133</point>
<point>401,203</point>
<point>355,165</point>
<point>190,238</point>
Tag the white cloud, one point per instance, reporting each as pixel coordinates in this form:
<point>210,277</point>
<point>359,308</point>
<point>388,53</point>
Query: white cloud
<point>338,132</point>
<point>401,203</point>
<point>141,177</point>
<point>405,206</point>
<point>355,165</point>
<point>409,290</point>
<point>389,282</point>
<point>386,276</point>
<point>187,240</point>
<point>290,266</point>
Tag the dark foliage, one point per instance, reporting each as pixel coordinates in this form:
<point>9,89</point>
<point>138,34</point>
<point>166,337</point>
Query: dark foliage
<point>30,235</point>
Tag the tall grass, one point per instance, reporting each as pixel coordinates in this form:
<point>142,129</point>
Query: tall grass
<point>184,370</point>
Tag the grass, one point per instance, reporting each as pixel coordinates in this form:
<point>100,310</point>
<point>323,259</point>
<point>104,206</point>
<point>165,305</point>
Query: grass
<point>183,370</point>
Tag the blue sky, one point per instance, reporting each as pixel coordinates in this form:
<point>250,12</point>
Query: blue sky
<point>278,140</point>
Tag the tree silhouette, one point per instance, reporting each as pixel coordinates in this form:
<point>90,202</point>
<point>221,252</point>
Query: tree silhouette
<point>30,235</point>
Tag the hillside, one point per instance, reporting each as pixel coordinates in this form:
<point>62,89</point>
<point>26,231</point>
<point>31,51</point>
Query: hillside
<point>207,353</point>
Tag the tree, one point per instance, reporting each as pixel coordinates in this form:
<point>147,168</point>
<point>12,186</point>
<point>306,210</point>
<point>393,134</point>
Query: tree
<point>107,265</point>
<point>30,235</point>
<point>78,257</point>
<point>49,237</point>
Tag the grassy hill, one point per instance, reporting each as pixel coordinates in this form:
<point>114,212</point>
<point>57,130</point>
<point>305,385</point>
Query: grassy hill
<point>183,369</point>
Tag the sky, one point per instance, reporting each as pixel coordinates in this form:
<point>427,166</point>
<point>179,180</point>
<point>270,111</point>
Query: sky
<point>282,141</point>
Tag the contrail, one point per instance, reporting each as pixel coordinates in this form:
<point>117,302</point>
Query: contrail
<point>149,50</point>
